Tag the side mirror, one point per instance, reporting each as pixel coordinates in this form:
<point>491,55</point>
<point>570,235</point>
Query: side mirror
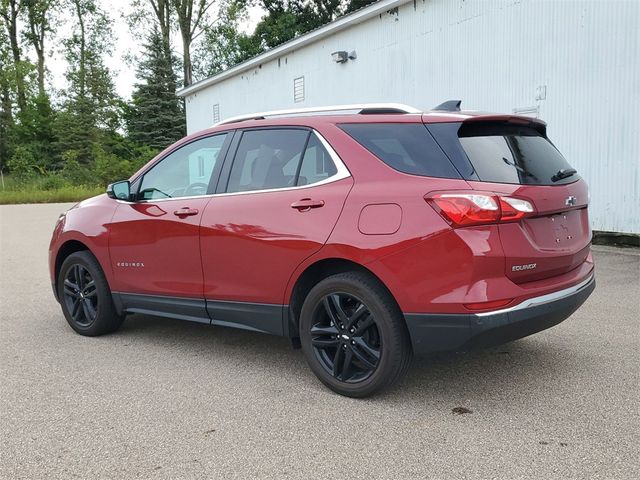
<point>119,190</point>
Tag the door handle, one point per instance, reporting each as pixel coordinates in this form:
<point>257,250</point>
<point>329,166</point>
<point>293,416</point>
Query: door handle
<point>307,204</point>
<point>186,212</point>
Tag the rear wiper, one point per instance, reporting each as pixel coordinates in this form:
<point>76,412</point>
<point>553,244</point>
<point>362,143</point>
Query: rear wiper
<point>563,173</point>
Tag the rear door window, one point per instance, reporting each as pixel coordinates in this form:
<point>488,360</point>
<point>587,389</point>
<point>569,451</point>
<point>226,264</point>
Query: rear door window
<point>267,159</point>
<point>279,158</point>
<point>406,147</point>
<point>516,154</point>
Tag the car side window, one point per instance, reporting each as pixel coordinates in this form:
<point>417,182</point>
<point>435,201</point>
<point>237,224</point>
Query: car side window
<point>186,172</point>
<point>279,158</point>
<point>317,164</point>
<point>267,159</point>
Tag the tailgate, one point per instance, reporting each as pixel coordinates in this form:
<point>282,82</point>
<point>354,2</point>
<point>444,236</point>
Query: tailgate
<point>512,156</point>
<point>555,240</point>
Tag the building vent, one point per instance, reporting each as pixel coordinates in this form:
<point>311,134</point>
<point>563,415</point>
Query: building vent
<point>216,113</point>
<point>298,89</point>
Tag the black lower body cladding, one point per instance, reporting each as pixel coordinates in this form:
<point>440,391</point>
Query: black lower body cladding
<point>432,333</point>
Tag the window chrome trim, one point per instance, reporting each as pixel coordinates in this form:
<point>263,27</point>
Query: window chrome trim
<point>535,301</point>
<point>341,173</point>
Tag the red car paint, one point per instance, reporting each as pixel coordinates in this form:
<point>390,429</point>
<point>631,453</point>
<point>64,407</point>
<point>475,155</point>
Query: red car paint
<point>253,247</point>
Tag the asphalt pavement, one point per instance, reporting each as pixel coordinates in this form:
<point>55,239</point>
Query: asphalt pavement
<point>165,399</point>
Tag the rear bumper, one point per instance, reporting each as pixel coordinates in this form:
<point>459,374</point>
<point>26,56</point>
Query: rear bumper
<point>448,332</point>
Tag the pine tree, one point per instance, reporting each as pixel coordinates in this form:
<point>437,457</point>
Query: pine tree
<point>156,116</point>
<point>90,109</point>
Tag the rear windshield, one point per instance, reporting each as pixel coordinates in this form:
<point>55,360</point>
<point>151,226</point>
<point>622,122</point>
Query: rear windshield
<point>513,154</point>
<point>407,147</point>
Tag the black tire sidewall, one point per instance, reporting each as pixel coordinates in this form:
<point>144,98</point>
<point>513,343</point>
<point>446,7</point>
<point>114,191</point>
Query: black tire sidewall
<point>390,328</point>
<point>106,318</point>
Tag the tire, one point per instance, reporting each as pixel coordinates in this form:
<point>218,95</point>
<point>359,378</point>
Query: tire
<point>85,296</point>
<point>353,335</point>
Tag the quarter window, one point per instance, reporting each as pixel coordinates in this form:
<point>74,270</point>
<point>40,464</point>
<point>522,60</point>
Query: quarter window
<point>317,164</point>
<point>185,172</point>
<point>406,147</point>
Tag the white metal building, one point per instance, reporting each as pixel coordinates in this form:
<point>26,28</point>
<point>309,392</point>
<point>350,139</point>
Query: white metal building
<point>575,64</point>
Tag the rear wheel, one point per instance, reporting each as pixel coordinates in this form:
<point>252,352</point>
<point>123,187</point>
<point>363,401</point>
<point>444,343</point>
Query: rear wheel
<point>353,335</point>
<point>85,296</point>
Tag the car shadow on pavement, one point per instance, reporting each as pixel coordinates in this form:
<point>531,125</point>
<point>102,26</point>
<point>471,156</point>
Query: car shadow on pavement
<point>522,366</point>
<point>510,370</point>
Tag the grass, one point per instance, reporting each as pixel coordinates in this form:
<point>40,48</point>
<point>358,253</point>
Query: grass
<point>58,195</point>
<point>38,191</point>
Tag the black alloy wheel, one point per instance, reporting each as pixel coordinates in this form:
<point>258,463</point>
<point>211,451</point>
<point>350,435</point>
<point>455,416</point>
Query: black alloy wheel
<point>353,334</point>
<point>81,295</point>
<point>345,337</point>
<point>85,297</point>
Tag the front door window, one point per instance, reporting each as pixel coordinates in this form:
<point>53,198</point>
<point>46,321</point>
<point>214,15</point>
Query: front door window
<point>186,172</point>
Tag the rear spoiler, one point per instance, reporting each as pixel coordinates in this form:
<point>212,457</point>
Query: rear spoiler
<point>452,108</point>
<point>536,123</point>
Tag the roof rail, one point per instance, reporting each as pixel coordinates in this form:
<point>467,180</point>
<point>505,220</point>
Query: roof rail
<point>365,108</point>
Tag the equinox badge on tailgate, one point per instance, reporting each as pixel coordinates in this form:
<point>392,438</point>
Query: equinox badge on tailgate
<point>519,268</point>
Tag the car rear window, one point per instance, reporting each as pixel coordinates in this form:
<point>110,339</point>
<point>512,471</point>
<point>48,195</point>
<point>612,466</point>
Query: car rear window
<point>519,154</point>
<point>406,147</point>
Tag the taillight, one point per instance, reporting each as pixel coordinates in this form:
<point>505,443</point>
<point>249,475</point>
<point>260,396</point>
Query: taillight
<point>514,208</point>
<point>462,209</point>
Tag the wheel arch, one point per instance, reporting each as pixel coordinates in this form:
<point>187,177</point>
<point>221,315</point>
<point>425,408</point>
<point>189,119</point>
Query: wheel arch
<point>315,273</point>
<point>66,249</point>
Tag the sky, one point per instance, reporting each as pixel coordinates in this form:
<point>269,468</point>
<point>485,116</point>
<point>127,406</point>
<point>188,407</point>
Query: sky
<point>125,45</point>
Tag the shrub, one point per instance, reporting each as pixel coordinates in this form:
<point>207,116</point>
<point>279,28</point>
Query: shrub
<point>53,182</point>
<point>141,157</point>
<point>72,171</point>
<point>22,165</point>
<point>108,168</point>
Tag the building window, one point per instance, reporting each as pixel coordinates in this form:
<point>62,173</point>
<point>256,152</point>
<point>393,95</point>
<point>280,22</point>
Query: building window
<point>216,113</point>
<point>298,89</point>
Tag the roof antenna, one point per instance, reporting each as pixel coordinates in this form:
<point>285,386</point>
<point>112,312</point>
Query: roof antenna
<point>449,106</point>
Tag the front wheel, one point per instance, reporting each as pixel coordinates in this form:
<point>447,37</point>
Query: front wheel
<point>353,335</point>
<point>85,296</point>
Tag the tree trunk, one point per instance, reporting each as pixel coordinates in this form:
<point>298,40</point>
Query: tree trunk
<point>162,10</point>
<point>82,73</point>
<point>187,68</point>
<point>5,102</point>
<point>188,24</point>
<point>37,12</point>
<point>12,26</point>
<point>41,90</point>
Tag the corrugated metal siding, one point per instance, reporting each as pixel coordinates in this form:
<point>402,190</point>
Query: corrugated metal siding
<point>492,55</point>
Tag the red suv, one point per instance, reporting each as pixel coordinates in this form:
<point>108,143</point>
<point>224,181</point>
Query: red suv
<point>364,233</point>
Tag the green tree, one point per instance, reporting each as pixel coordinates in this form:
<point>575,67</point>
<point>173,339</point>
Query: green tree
<point>90,107</point>
<point>38,19</point>
<point>36,129</point>
<point>287,19</point>
<point>10,12</point>
<point>354,5</point>
<point>191,17</point>
<point>6,111</point>
<point>155,116</point>
<point>159,13</point>
<point>284,20</point>
<point>223,44</point>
